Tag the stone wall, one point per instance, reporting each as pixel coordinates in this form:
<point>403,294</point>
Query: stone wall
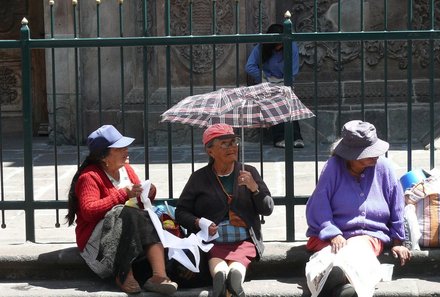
<point>332,62</point>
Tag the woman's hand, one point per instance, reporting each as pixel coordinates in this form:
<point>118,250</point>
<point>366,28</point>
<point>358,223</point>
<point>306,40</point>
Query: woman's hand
<point>337,243</point>
<point>152,192</point>
<point>245,179</point>
<point>133,191</point>
<point>399,251</point>
<point>212,229</point>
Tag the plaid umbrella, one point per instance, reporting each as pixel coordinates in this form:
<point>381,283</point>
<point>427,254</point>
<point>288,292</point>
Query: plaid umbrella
<point>261,105</point>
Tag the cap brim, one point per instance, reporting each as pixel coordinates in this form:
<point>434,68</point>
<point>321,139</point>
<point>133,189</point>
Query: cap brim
<point>379,148</point>
<point>123,142</point>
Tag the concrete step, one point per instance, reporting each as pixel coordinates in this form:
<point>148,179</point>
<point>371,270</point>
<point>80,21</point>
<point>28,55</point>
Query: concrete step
<point>280,287</point>
<point>32,269</point>
<point>281,259</point>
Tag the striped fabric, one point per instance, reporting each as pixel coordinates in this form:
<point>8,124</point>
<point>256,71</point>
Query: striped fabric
<point>428,214</point>
<point>229,233</point>
<point>425,197</point>
<point>261,105</point>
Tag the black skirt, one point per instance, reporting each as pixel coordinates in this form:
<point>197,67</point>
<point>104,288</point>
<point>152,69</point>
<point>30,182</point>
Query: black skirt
<point>137,232</point>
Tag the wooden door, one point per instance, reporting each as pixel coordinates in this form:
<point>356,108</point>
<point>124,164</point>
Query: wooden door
<point>11,13</point>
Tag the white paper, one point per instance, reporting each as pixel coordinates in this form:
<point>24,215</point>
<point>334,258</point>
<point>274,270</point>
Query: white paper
<point>145,185</point>
<point>175,244</point>
<point>358,261</point>
<point>203,234</point>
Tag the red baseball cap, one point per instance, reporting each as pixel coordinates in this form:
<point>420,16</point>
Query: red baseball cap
<point>216,131</point>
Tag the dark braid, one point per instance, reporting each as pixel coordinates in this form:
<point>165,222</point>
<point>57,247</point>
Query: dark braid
<point>72,203</point>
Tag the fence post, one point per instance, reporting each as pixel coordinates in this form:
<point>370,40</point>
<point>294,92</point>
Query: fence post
<point>288,133</point>
<point>27,129</point>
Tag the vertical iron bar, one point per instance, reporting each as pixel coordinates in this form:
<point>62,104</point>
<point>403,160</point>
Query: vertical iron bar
<point>362,64</point>
<point>98,29</point>
<point>315,83</point>
<point>290,205</point>
<point>214,48</point>
<point>27,129</point>
<point>385,65</point>
<point>2,185</point>
<point>121,34</point>
<point>191,78</point>
<point>54,116</point>
<point>410,89</point>
<point>260,63</point>
<point>260,16</point>
<point>145,83</point>
<point>431,89</point>
<point>168,86</point>
<point>78,107</point>
<point>237,45</point>
<point>339,124</point>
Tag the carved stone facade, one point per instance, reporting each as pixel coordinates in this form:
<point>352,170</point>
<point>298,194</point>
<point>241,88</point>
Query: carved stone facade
<point>337,66</point>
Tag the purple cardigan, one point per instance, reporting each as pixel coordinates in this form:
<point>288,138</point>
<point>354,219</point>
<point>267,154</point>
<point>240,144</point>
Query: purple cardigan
<point>342,205</point>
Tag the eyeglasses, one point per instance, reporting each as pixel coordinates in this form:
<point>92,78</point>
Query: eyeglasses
<point>232,143</point>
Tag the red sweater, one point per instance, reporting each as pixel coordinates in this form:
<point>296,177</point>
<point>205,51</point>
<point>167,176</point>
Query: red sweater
<point>96,196</point>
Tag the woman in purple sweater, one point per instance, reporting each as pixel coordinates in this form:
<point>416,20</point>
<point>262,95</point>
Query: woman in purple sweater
<point>358,197</point>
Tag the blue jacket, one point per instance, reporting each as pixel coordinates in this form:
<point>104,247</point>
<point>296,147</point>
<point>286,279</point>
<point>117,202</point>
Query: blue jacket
<point>272,67</point>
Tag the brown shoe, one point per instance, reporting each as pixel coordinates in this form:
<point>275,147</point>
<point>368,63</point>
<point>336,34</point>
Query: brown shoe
<point>165,286</point>
<point>130,285</point>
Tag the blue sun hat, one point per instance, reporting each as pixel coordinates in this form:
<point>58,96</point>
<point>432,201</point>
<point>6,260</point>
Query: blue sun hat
<point>107,136</point>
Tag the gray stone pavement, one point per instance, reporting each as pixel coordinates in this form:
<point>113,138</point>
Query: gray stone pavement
<point>15,251</point>
<point>46,155</point>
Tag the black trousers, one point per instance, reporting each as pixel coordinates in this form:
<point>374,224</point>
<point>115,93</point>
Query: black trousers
<point>278,132</point>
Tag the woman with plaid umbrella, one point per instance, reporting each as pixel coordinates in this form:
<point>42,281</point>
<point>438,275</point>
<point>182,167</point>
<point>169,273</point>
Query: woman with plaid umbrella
<point>230,198</point>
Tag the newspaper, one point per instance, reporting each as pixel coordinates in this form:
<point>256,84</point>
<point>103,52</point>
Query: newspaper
<point>358,261</point>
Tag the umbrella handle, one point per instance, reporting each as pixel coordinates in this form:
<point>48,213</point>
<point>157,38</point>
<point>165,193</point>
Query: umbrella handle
<point>242,148</point>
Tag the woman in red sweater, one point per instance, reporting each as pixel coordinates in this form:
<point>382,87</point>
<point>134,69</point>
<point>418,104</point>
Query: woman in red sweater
<point>109,233</point>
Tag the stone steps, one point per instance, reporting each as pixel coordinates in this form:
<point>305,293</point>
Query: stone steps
<point>57,270</point>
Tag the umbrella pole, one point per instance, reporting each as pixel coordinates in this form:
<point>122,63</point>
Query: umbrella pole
<point>242,136</point>
<point>242,147</point>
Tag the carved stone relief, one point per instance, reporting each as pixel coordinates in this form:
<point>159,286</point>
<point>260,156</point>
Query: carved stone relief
<point>8,87</point>
<point>202,25</point>
<point>373,20</point>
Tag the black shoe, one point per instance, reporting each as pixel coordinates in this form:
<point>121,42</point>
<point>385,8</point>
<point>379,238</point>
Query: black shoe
<point>219,284</point>
<point>234,283</point>
<point>346,290</point>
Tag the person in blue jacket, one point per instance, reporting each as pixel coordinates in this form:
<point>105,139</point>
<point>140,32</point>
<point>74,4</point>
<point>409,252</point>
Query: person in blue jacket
<point>272,70</point>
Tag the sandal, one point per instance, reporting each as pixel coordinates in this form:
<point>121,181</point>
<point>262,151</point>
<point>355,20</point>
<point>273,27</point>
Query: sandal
<point>130,285</point>
<point>166,286</point>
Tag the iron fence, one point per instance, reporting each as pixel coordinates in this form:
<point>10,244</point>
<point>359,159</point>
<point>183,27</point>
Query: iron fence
<point>430,35</point>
